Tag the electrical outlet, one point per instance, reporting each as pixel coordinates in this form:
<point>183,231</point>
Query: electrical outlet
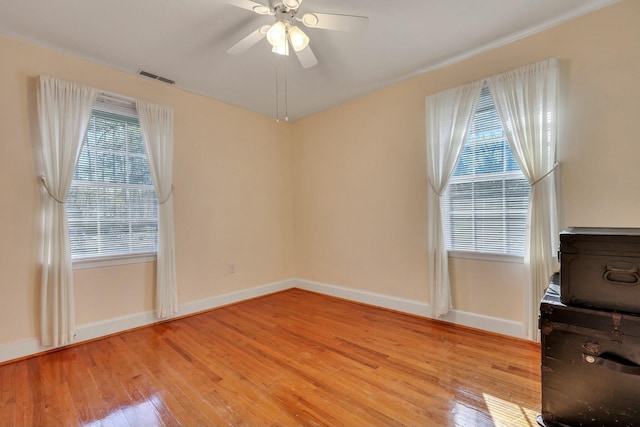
<point>232,268</point>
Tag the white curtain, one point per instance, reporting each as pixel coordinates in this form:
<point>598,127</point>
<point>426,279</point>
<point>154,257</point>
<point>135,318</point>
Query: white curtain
<point>449,115</point>
<point>526,100</point>
<point>64,110</point>
<point>156,122</point>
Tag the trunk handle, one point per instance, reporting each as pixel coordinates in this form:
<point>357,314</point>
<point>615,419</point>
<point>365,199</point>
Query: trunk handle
<point>613,362</point>
<point>632,272</point>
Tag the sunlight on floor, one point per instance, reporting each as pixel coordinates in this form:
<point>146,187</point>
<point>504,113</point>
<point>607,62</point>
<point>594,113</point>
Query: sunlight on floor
<point>141,414</point>
<point>505,413</point>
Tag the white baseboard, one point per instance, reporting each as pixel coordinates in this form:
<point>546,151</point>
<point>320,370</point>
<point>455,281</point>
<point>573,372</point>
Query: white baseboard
<point>370,298</point>
<point>93,330</point>
<point>487,323</point>
<point>89,331</point>
<point>233,297</point>
<point>473,320</point>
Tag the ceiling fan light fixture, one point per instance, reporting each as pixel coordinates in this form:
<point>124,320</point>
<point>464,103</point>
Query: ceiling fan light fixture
<point>292,4</point>
<point>281,50</point>
<point>277,34</point>
<point>298,39</point>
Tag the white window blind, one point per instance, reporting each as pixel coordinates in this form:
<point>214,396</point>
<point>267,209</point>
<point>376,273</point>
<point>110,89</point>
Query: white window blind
<point>111,207</point>
<point>487,197</point>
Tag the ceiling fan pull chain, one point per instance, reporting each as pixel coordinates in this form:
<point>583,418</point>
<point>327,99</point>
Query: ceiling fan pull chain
<point>277,97</point>
<point>286,95</point>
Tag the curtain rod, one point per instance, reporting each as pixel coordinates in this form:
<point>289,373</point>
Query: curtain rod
<point>115,96</point>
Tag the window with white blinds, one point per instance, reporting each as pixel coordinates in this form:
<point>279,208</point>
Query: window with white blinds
<point>111,207</point>
<point>487,197</point>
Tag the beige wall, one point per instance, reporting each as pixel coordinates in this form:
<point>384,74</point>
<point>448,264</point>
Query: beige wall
<point>359,169</point>
<point>348,183</point>
<point>233,197</point>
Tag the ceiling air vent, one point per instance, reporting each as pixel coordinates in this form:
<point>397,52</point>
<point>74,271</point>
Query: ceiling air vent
<point>156,77</point>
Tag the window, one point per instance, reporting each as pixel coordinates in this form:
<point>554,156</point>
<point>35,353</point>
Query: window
<point>111,207</point>
<point>487,197</point>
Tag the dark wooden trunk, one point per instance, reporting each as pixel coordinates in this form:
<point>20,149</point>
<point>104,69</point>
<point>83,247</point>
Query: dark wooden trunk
<point>590,364</point>
<point>601,268</point>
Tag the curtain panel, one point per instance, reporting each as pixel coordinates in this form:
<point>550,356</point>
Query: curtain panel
<point>64,109</point>
<point>156,122</point>
<point>449,115</point>
<point>527,104</point>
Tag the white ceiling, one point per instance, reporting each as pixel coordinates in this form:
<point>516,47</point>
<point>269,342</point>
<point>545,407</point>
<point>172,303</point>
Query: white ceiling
<point>186,41</point>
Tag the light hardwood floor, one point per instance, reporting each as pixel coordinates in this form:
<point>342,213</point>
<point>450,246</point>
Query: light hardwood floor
<point>291,358</point>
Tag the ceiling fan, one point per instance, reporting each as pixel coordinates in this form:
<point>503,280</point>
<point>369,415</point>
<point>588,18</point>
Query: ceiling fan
<point>285,34</point>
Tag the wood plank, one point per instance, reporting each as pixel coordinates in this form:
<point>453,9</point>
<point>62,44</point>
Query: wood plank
<point>8,394</point>
<point>290,358</point>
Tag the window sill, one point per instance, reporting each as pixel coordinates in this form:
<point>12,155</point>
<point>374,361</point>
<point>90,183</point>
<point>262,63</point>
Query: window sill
<point>110,261</point>
<point>483,256</point>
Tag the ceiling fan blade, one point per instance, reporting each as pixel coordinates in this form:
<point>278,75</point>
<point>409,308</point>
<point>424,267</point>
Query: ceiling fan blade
<point>306,57</point>
<point>292,4</point>
<point>248,41</point>
<point>330,21</point>
<point>250,5</point>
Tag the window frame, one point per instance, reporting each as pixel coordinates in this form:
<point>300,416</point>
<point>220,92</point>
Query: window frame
<point>503,175</point>
<point>113,260</point>
<point>114,104</point>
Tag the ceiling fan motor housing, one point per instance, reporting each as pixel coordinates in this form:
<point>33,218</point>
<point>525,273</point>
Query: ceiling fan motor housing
<point>283,14</point>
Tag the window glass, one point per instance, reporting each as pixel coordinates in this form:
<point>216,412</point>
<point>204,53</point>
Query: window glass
<point>487,197</point>
<point>112,207</point>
